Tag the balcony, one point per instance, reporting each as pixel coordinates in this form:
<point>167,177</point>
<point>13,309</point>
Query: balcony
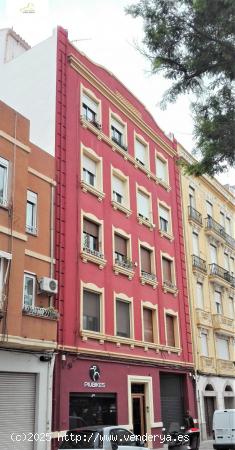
<point>95,256</point>
<point>124,266</point>
<point>194,215</point>
<point>222,323</point>
<point>44,313</point>
<point>229,240</point>
<point>225,367</point>
<point>214,229</point>
<point>169,286</point>
<point>120,144</point>
<point>203,317</point>
<point>220,275</point>
<point>148,278</point>
<point>207,365</point>
<point>199,264</point>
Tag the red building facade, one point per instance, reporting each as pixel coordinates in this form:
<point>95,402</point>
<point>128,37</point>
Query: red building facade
<point>125,353</point>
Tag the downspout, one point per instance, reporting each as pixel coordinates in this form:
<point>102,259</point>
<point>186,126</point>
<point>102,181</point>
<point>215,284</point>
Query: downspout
<point>52,233</point>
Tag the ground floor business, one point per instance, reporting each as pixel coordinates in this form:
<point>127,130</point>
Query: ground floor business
<point>143,397</point>
<point>213,393</point>
<point>25,400</point>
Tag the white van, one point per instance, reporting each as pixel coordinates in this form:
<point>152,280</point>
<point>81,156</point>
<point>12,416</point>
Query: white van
<point>224,429</point>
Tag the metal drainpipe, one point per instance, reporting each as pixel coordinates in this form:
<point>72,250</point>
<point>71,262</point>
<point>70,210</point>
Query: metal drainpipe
<point>52,232</point>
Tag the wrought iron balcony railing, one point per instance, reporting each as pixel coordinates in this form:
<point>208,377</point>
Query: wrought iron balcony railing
<point>211,224</point>
<point>124,262</point>
<point>93,122</point>
<point>169,284</point>
<point>93,252</point>
<point>149,276</point>
<point>124,147</point>
<point>48,313</point>
<point>220,272</point>
<point>199,263</point>
<point>194,215</point>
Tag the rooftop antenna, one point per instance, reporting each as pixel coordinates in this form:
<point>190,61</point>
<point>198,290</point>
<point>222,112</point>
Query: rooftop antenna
<point>28,9</point>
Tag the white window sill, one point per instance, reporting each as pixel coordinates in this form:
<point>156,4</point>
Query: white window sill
<point>166,235</point>
<point>146,222</point>
<point>89,188</point>
<point>145,280</point>
<point>164,184</point>
<point>122,270</point>
<point>88,257</point>
<point>122,208</point>
<point>172,290</point>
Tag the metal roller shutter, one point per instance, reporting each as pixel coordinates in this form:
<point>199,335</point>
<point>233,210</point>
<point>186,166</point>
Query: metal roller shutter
<point>172,401</point>
<point>17,408</point>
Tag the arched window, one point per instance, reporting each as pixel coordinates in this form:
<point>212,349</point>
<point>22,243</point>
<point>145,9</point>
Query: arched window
<point>209,387</point>
<point>228,388</point>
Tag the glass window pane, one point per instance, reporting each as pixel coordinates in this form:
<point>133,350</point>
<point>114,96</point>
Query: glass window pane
<point>123,318</point>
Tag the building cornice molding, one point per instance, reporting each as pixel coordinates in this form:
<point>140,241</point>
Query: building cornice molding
<point>14,141</point>
<point>20,342</point>
<point>42,176</point>
<point>118,101</point>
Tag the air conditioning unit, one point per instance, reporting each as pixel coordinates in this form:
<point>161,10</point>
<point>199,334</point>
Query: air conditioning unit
<point>48,285</point>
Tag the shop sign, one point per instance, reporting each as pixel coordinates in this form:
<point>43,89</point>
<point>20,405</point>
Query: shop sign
<point>94,373</point>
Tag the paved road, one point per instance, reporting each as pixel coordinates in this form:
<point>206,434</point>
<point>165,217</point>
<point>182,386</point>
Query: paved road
<point>206,445</point>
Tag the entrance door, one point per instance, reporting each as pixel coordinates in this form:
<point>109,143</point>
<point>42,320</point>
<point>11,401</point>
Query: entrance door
<point>138,414</point>
<point>209,411</point>
<point>172,401</point>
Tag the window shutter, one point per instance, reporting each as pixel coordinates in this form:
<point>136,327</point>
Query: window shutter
<point>222,219</point>
<point>209,209</point>
<point>164,213</point>
<point>118,185</point>
<point>228,226</point>
<point>148,324</point>
<point>120,245</point>
<point>192,196</point>
<point>166,266</point>
<point>90,228</point>
<point>123,318</point>
<point>226,261</point>
<point>31,197</point>
<point>143,204</point>
<point>213,254</point>
<point>140,151</point>
<point>116,124</point>
<point>195,244</point>
<point>89,164</point>
<point>145,256</point>
<point>161,170</point>
<point>170,330</point>
<point>222,348</point>
<point>91,310</point>
<point>199,293</point>
<point>204,344</point>
<point>90,103</point>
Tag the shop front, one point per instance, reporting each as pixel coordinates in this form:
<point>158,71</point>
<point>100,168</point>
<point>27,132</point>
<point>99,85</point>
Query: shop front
<point>101,392</point>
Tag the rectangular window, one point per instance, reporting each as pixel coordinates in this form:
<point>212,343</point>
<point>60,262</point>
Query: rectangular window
<point>226,261</point>
<point>204,344</point>
<point>91,311</point>
<point>89,108</point>
<point>218,306</point>
<point>31,212</point>
<point>170,330</point>
<point>90,235</point>
<point>118,190</point>
<point>195,244</point>
<point>232,269</point>
<point>167,270</point>
<point>191,197</point>
<point>164,217</point>
<point>120,248</point>
<point>2,272</point>
<point>145,255</point>
<point>213,254</point>
<point>199,294</point>
<point>122,318</point>
<point>161,170</point>
<point>222,348</point>
<point>222,219</point>
<point>209,209</point>
<point>140,152</point>
<point>4,169</point>
<point>148,325</point>
<point>89,171</point>
<point>231,308</point>
<point>143,205</point>
<point>29,289</point>
<point>228,226</point>
<point>117,132</point>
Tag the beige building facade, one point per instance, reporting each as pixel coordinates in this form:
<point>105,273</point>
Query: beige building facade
<point>209,211</point>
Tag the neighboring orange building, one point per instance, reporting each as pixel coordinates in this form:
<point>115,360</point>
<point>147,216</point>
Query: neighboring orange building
<point>28,321</point>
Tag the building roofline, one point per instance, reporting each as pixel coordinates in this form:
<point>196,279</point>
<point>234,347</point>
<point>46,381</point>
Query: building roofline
<point>17,37</point>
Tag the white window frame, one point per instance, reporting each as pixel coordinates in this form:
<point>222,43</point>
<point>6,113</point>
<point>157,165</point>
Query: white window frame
<point>96,290</point>
<point>139,139</point>
<point>164,182</point>
<point>222,338</point>
<point>125,205</point>
<point>201,305</point>
<point>169,233</point>
<point>195,243</point>
<point>32,277</point>
<point>175,316</point>
<point>147,221</point>
<point>154,308</point>
<point>218,302</point>
<point>204,333</point>
<point>32,198</point>
<point>97,189</point>
<point>5,164</point>
<point>88,93</point>
<point>123,297</point>
<point>114,117</point>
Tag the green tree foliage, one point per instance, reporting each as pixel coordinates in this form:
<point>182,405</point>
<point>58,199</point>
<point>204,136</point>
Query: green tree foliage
<point>192,42</point>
